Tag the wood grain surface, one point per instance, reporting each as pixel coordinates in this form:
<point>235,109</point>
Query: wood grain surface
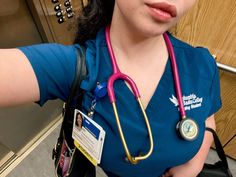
<point>230,148</point>
<point>211,24</point>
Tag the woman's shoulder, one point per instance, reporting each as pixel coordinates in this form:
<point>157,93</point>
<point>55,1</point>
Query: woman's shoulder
<point>46,49</point>
<point>194,60</point>
<point>54,66</point>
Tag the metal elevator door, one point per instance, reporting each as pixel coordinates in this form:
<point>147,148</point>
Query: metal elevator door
<point>27,22</point>
<point>19,125</point>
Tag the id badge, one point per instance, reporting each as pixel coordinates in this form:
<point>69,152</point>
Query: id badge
<point>88,137</point>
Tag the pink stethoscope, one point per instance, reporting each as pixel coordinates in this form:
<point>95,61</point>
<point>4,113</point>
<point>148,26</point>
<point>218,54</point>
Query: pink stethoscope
<point>186,127</point>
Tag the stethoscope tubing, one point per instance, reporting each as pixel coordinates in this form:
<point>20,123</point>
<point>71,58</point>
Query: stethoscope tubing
<point>118,75</point>
<point>110,89</point>
<point>175,75</point>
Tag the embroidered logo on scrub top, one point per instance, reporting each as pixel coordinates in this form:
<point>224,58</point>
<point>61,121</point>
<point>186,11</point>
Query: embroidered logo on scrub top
<point>190,102</point>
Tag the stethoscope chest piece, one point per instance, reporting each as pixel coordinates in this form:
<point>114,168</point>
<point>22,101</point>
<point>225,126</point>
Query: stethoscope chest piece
<point>188,129</point>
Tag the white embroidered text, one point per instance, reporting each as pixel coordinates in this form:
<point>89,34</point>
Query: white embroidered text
<point>190,102</point>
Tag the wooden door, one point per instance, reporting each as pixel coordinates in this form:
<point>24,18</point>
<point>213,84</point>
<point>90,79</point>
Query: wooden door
<point>212,24</point>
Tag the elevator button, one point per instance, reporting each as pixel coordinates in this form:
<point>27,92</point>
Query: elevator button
<point>59,13</point>
<point>69,9</point>
<point>61,20</point>
<point>57,7</point>
<point>67,3</point>
<point>70,15</point>
<point>55,1</point>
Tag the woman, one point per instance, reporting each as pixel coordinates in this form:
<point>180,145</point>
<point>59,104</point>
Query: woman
<point>42,72</point>
<point>79,121</point>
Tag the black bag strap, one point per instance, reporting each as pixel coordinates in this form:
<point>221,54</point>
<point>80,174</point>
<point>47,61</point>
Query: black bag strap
<point>80,75</point>
<point>80,166</point>
<point>219,148</point>
<point>68,108</point>
<point>75,93</point>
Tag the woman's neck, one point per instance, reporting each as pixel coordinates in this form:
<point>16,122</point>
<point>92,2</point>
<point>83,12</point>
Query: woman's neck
<point>131,46</point>
<point>141,58</point>
<point>132,43</point>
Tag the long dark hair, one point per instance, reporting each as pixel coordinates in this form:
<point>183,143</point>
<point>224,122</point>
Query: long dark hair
<point>94,15</point>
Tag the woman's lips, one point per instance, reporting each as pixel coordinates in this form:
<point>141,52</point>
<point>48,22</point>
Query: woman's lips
<point>161,11</point>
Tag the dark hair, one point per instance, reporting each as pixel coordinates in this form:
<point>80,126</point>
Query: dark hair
<point>94,15</point>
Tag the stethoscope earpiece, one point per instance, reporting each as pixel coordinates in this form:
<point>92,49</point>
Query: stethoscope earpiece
<point>187,129</point>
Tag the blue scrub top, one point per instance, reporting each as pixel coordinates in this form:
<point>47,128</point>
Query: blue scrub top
<point>55,66</point>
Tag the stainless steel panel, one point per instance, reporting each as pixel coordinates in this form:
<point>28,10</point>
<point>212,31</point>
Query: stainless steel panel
<point>45,16</point>
<point>5,155</point>
<point>17,26</point>
<point>20,125</point>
